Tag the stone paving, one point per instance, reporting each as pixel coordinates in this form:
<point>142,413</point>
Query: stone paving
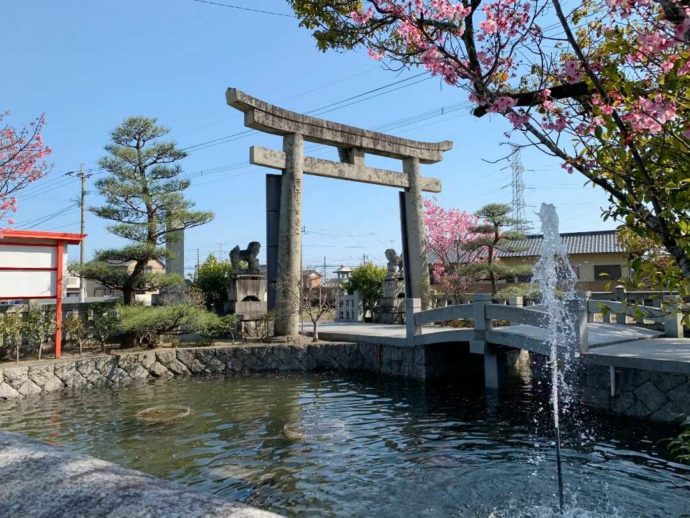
<point>660,355</point>
<point>43,480</point>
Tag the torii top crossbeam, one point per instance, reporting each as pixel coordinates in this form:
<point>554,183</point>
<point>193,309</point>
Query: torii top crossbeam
<point>267,117</point>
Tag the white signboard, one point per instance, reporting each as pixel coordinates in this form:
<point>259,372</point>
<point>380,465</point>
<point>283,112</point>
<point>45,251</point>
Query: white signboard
<point>27,256</point>
<point>25,285</point>
<point>28,271</point>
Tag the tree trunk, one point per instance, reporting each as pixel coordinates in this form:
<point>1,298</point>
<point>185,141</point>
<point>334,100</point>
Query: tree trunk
<point>316,331</point>
<point>40,349</point>
<point>17,351</point>
<point>128,296</point>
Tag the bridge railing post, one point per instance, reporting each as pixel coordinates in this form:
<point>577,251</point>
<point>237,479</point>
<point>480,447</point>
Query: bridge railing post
<point>412,306</point>
<point>479,344</point>
<point>619,294</point>
<point>578,308</point>
<point>481,323</point>
<point>673,320</point>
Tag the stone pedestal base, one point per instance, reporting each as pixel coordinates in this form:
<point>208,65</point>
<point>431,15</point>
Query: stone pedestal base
<point>246,296</point>
<point>391,307</point>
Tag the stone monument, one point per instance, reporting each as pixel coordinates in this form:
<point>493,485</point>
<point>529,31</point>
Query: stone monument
<point>391,307</point>
<point>247,287</point>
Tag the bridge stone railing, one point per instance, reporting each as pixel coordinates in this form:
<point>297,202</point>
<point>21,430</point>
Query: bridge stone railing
<point>482,312</point>
<point>621,306</point>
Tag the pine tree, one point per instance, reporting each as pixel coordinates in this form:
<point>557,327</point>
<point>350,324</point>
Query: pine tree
<point>493,236</point>
<point>144,202</point>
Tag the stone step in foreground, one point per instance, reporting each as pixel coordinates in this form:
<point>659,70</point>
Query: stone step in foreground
<point>43,480</point>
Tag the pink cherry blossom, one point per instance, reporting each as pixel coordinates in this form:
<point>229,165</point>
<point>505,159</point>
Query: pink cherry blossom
<point>362,18</point>
<point>22,154</point>
<point>572,71</point>
<point>447,231</point>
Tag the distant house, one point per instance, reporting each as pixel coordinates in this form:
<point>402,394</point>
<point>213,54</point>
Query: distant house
<point>597,258</point>
<point>311,279</point>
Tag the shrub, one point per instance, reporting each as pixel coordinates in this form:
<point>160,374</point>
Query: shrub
<point>39,327</point>
<point>149,323</point>
<point>76,331</point>
<point>220,327</point>
<point>679,447</point>
<point>11,330</point>
<point>104,321</point>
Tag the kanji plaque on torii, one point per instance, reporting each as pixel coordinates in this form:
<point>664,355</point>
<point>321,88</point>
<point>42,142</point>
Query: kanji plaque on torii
<point>284,192</point>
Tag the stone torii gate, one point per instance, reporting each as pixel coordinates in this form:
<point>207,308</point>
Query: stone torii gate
<point>284,192</point>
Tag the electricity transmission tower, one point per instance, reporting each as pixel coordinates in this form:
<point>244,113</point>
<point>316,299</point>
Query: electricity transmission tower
<point>518,187</point>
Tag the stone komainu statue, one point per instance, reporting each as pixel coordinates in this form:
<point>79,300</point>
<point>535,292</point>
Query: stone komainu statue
<point>395,263</point>
<point>250,256</point>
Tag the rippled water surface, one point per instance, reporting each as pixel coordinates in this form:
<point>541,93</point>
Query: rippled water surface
<point>360,446</point>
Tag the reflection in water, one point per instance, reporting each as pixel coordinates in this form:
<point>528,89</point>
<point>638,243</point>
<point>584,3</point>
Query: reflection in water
<point>357,446</point>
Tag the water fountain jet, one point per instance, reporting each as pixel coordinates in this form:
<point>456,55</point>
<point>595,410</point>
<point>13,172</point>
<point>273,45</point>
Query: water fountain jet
<point>556,280</point>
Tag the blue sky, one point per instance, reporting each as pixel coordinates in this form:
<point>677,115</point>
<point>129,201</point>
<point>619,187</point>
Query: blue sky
<point>88,65</point>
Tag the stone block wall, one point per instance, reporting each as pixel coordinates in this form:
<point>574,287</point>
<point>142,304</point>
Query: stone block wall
<point>408,362</point>
<point>655,396</point>
<point>35,378</point>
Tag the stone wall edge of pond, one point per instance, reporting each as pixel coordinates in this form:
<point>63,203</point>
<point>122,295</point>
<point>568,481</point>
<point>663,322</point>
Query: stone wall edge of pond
<point>653,396</point>
<point>122,367</point>
<point>45,480</point>
<point>658,397</point>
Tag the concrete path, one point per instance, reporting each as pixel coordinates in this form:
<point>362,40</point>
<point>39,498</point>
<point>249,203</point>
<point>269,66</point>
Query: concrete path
<point>658,354</point>
<point>598,334</point>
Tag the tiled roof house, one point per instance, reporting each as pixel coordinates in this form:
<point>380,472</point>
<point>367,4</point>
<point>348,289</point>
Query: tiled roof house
<point>597,257</point>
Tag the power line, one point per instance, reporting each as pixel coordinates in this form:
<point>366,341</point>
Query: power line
<point>368,92</point>
<point>361,97</point>
<point>242,8</point>
<point>44,219</point>
<point>285,99</point>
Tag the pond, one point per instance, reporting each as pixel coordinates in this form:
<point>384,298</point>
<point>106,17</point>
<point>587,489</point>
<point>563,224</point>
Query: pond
<point>329,445</point>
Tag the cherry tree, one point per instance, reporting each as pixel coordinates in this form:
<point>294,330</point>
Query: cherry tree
<point>447,233</point>
<point>22,154</point>
<point>602,85</point>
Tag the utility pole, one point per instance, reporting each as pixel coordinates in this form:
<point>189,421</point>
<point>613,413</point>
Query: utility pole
<point>82,246</point>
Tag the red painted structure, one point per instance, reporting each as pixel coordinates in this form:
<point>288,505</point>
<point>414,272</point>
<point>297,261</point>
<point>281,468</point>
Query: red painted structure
<point>58,240</point>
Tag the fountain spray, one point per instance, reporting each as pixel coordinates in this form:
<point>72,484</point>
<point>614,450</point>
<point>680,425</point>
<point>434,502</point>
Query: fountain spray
<point>556,280</point>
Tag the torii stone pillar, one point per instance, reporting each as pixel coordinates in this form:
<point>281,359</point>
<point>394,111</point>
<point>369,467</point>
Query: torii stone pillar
<point>290,237</point>
<point>416,266</point>
<point>352,143</point>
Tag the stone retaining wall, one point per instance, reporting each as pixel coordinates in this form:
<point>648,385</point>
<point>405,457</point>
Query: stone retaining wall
<point>121,368</point>
<point>655,396</point>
